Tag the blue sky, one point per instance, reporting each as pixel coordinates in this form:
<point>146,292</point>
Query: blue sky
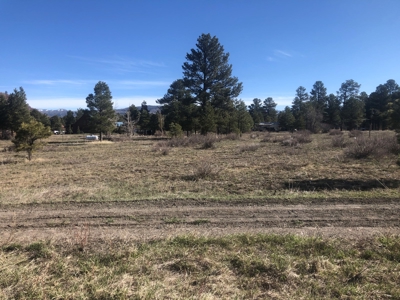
<point>57,50</point>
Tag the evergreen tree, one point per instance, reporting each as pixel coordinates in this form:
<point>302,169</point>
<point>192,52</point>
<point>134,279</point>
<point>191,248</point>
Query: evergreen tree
<point>318,96</point>
<point>244,120</point>
<point>28,136</point>
<point>68,120</point>
<point>179,106</point>
<point>134,113</point>
<point>256,111</point>
<point>286,119</point>
<point>3,113</point>
<point>102,114</point>
<point>348,89</point>
<point>144,119</point>
<point>40,117</point>
<point>16,110</point>
<point>269,110</point>
<point>299,108</point>
<point>208,76</point>
<point>353,113</point>
<point>207,119</point>
<point>333,111</point>
<point>56,123</point>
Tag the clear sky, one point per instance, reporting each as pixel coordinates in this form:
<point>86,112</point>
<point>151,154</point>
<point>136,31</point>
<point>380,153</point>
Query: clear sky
<point>57,50</point>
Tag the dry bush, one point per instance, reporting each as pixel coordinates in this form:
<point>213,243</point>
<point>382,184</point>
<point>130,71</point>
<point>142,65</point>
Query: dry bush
<point>209,142</point>
<point>355,133</point>
<point>158,133</point>
<point>335,132</point>
<point>249,147</point>
<point>303,136</point>
<point>206,142</point>
<point>280,138</point>
<point>162,147</point>
<point>338,141</point>
<point>290,142</point>
<point>205,170</point>
<point>377,146</point>
<point>232,136</point>
<point>254,135</point>
<point>267,137</point>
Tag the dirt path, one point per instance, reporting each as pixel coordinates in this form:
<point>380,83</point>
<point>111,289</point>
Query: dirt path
<point>143,220</point>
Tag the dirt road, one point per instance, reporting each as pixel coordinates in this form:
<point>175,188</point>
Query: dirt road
<point>150,219</point>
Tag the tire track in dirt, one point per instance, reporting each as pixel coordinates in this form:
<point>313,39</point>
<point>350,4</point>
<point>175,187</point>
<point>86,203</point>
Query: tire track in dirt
<point>155,218</point>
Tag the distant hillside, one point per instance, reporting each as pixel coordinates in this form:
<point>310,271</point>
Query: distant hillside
<point>62,112</point>
<point>54,112</point>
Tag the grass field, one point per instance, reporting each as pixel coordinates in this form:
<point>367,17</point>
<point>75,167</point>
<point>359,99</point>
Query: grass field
<point>70,169</point>
<point>93,190</point>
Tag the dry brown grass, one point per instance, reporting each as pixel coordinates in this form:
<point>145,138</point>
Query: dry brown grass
<point>70,169</point>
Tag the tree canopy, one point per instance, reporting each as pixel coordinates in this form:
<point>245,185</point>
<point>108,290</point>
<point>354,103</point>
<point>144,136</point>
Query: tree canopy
<point>28,136</point>
<point>207,74</point>
<point>102,114</point>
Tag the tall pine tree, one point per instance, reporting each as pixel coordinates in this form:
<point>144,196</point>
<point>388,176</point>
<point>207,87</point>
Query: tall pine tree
<point>102,114</point>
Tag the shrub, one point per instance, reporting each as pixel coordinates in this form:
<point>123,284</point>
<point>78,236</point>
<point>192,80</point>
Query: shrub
<point>303,136</point>
<point>377,146</point>
<point>335,132</point>
<point>338,141</point>
<point>291,142</point>
<point>355,133</point>
<point>162,147</point>
<point>251,147</point>
<point>209,142</point>
<point>205,170</point>
<point>267,137</point>
<point>158,133</point>
<point>232,136</point>
<point>254,135</point>
<point>175,130</point>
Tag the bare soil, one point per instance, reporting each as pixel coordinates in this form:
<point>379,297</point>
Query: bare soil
<point>153,219</point>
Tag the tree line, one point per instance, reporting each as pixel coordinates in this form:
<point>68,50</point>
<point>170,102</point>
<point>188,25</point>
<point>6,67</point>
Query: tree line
<point>206,100</point>
<point>349,109</point>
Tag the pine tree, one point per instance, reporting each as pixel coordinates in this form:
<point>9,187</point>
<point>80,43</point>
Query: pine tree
<point>102,114</point>
<point>269,109</point>
<point>16,110</point>
<point>28,136</point>
<point>208,76</point>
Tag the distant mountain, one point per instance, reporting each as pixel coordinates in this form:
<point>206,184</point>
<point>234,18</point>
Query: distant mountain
<point>62,112</point>
<point>54,112</point>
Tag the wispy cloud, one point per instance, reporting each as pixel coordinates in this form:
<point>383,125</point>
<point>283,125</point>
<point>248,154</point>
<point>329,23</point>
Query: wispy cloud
<point>282,53</point>
<point>270,58</point>
<point>122,64</point>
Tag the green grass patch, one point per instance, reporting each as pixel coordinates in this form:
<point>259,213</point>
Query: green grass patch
<point>234,267</point>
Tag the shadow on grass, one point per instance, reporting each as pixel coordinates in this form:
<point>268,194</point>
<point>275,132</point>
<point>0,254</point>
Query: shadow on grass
<point>340,184</point>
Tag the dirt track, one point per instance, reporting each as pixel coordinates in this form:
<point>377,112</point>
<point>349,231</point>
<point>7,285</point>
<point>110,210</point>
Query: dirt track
<point>142,220</point>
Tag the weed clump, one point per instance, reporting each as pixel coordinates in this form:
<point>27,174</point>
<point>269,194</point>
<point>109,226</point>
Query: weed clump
<point>377,147</point>
<point>338,141</point>
<point>232,136</point>
<point>303,136</point>
<point>355,133</point>
<point>205,170</point>
<point>335,132</point>
<point>290,142</point>
<point>251,147</point>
